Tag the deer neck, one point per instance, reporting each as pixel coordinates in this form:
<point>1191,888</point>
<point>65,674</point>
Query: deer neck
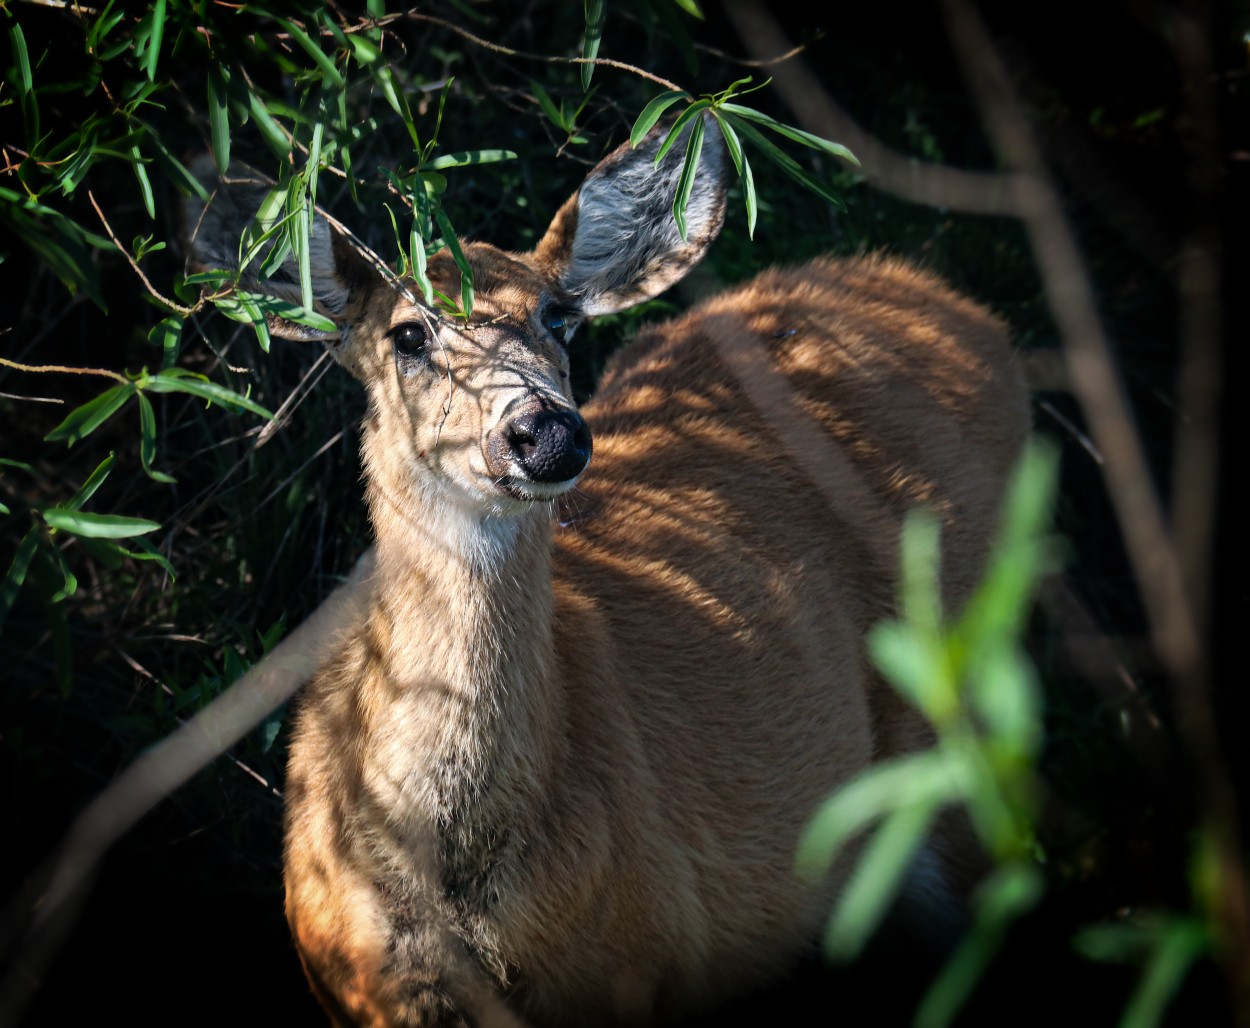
<point>461,630</point>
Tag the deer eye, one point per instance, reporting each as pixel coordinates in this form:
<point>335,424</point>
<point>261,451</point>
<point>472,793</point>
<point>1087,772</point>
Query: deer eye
<point>411,341</point>
<point>560,322</point>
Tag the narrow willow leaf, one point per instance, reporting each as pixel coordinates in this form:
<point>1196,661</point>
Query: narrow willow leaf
<point>311,48</point>
<point>695,110</point>
<point>179,380</point>
<point>147,441</point>
<point>303,253</point>
<point>798,135</point>
<point>689,169</point>
<point>652,112</point>
<point>596,18</point>
<point>748,194</point>
<point>464,157</point>
<point>25,82</point>
<point>271,306</point>
<point>69,583</point>
<point>554,114</point>
<point>97,526</point>
<point>466,271</point>
<point>313,167</point>
<point>17,571</point>
<point>877,879</point>
<point>153,52</point>
<point>277,140</point>
<point>94,481</point>
<point>176,171</point>
<point>690,7</point>
<point>219,116</point>
<point>145,551</point>
<point>926,777</point>
<point>1010,891</point>
<point>787,163</point>
<point>145,184</point>
<point>84,420</point>
<point>416,246</point>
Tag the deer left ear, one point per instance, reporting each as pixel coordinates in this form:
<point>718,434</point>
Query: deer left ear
<point>337,271</point>
<point>615,242</point>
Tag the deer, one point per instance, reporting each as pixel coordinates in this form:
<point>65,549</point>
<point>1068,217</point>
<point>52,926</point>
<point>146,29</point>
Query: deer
<point>611,659</point>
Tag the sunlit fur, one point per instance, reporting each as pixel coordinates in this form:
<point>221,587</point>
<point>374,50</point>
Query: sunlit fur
<point>564,762</point>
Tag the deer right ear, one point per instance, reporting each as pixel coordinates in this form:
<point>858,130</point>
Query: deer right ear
<point>615,242</point>
<point>214,232</point>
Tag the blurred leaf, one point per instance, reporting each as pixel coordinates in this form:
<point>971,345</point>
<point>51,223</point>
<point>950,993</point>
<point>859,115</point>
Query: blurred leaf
<point>913,780</point>
<point>1008,892</point>
<point>25,82</point>
<point>690,7</point>
<point>270,130</point>
<point>97,526</point>
<point>878,876</point>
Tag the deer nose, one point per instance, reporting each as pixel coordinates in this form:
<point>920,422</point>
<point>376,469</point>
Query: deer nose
<point>550,444</point>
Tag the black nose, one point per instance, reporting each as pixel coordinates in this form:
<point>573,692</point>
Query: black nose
<point>550,444</point>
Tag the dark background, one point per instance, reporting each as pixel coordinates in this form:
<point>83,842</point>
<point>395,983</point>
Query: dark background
<point>184,922</point>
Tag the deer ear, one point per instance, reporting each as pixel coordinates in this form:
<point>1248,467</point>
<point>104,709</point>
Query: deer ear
<point>214,232</point>
<point>615,242</point>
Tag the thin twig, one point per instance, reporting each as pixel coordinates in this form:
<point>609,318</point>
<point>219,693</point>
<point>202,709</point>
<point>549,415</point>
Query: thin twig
<point>184,311</point>
<point>64,370</point>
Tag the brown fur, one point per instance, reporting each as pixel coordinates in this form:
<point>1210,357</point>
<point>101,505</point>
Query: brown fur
<point>567,757</point>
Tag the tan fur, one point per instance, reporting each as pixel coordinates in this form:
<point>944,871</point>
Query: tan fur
<point>567,757</point>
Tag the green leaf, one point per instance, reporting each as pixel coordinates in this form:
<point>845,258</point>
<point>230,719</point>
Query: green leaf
<point>94,481</point>
<point>554,114</point>
<point>17,571</point>
<point>180,380</point>
<point>25,81</point>
<point>679,124</point>
<point>463,157</point>
<point>69,583</point>
<point>84,420</point>
<point>310,47</point>
<point>798,135</point>
<point>274,137</point>
<point>416,246</point>
<point>145,184</point>
<point>166,334</point>
<point>97,526</point>
<point>147,441</point>
<point>596,18</point>
<point>287,311</point>
<point>689,168</point>
<point>1010,891</point>
<point>219,115</point>
<point>153,51</point>
<point>466,270</point>
<point>877,879</point>
<point>787,163</point>
<point>652,112</point>
<point>302,245</point>
<point>916,779</point>
<point>690,7</point>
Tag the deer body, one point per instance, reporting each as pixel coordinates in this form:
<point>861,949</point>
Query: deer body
<point>568,755</point>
